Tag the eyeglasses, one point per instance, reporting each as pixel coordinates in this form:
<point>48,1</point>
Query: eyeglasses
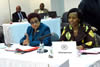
<point>35,22</point>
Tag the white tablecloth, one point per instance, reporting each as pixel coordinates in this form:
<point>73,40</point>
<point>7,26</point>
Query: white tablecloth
<point>89,60</point>
<point>32,59</point>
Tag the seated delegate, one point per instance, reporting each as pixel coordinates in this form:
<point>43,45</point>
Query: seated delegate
<point>41,9</point>
<point>19,15</point>
<point>77,30</point>
<point>35,31</point>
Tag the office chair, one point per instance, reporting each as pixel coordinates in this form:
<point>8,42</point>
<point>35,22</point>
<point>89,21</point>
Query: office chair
<point>54,37</point>
<point>64,20</point>
<point>1,35</point>
<point>64,17</point>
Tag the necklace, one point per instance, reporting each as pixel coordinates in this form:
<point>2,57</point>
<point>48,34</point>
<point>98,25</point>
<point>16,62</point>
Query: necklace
<point>75,31</point>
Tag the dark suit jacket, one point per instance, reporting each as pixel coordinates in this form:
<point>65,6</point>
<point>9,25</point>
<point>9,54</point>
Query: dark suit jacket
<point>15,16</point>
<point>91,12</point>
<point>1,35</point>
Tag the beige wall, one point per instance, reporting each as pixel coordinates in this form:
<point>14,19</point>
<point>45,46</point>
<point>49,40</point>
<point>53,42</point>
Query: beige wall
<point>58,6</point>
<point>4,11</point>
<point>70,4</point>
<point>34,4</point>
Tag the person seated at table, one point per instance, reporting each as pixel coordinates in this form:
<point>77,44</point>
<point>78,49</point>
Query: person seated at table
<point>77,30</point>
<point>41,9</point>
<point>36,31</point>
<point>19,15</point>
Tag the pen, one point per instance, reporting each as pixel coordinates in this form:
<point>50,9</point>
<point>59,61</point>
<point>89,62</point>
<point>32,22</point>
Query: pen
<point>85,53</point>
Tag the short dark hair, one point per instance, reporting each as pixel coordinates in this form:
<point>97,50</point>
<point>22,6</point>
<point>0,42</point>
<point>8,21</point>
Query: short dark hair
<point>79,13</point>
<point>42,4</point>
<point>32,15</point>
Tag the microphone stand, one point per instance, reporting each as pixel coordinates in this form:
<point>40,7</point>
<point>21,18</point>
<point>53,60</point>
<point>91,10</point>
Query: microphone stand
<point>41,49</point>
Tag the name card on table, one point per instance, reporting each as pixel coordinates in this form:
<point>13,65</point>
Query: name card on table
<point>65,47</point>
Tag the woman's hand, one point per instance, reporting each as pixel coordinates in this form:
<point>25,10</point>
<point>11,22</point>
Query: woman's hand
<point>80,47</point>
<point>26,41</point>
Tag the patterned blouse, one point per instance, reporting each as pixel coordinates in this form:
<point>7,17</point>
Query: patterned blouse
<point>85,35</point>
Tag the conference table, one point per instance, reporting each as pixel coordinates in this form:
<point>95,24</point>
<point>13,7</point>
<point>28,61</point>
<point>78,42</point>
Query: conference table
<point>89,60</point>
<point>31,59</point>
<point>34,59</point>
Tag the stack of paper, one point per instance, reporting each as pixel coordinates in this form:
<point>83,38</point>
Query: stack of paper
<point>2,46</point>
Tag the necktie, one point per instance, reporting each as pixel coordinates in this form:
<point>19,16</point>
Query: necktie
<point>20,15</point>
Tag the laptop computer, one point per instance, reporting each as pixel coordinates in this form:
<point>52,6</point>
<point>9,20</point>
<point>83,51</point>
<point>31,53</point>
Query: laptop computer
<point>52,14</point>
<point>43,14</point>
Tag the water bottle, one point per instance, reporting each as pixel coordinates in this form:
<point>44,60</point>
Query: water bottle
<point>51,52</point>
<point>78,53</point>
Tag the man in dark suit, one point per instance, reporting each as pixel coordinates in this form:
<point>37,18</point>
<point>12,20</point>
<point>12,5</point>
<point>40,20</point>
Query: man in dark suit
<point>18,16</point>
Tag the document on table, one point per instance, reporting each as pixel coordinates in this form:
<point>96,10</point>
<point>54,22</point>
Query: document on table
<point>2,46</point>
<point>91,51</point>
<point>17,46</point>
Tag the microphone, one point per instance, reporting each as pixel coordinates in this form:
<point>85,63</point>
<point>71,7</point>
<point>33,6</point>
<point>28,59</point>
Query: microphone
<point>41,38</point>
<point>41,49</point>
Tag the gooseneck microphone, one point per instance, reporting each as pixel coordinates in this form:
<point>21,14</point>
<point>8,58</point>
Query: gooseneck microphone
<point>41,49</point>
<point>41,38</point>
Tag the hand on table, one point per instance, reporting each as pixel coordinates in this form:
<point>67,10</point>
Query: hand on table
<point>26,41</point>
